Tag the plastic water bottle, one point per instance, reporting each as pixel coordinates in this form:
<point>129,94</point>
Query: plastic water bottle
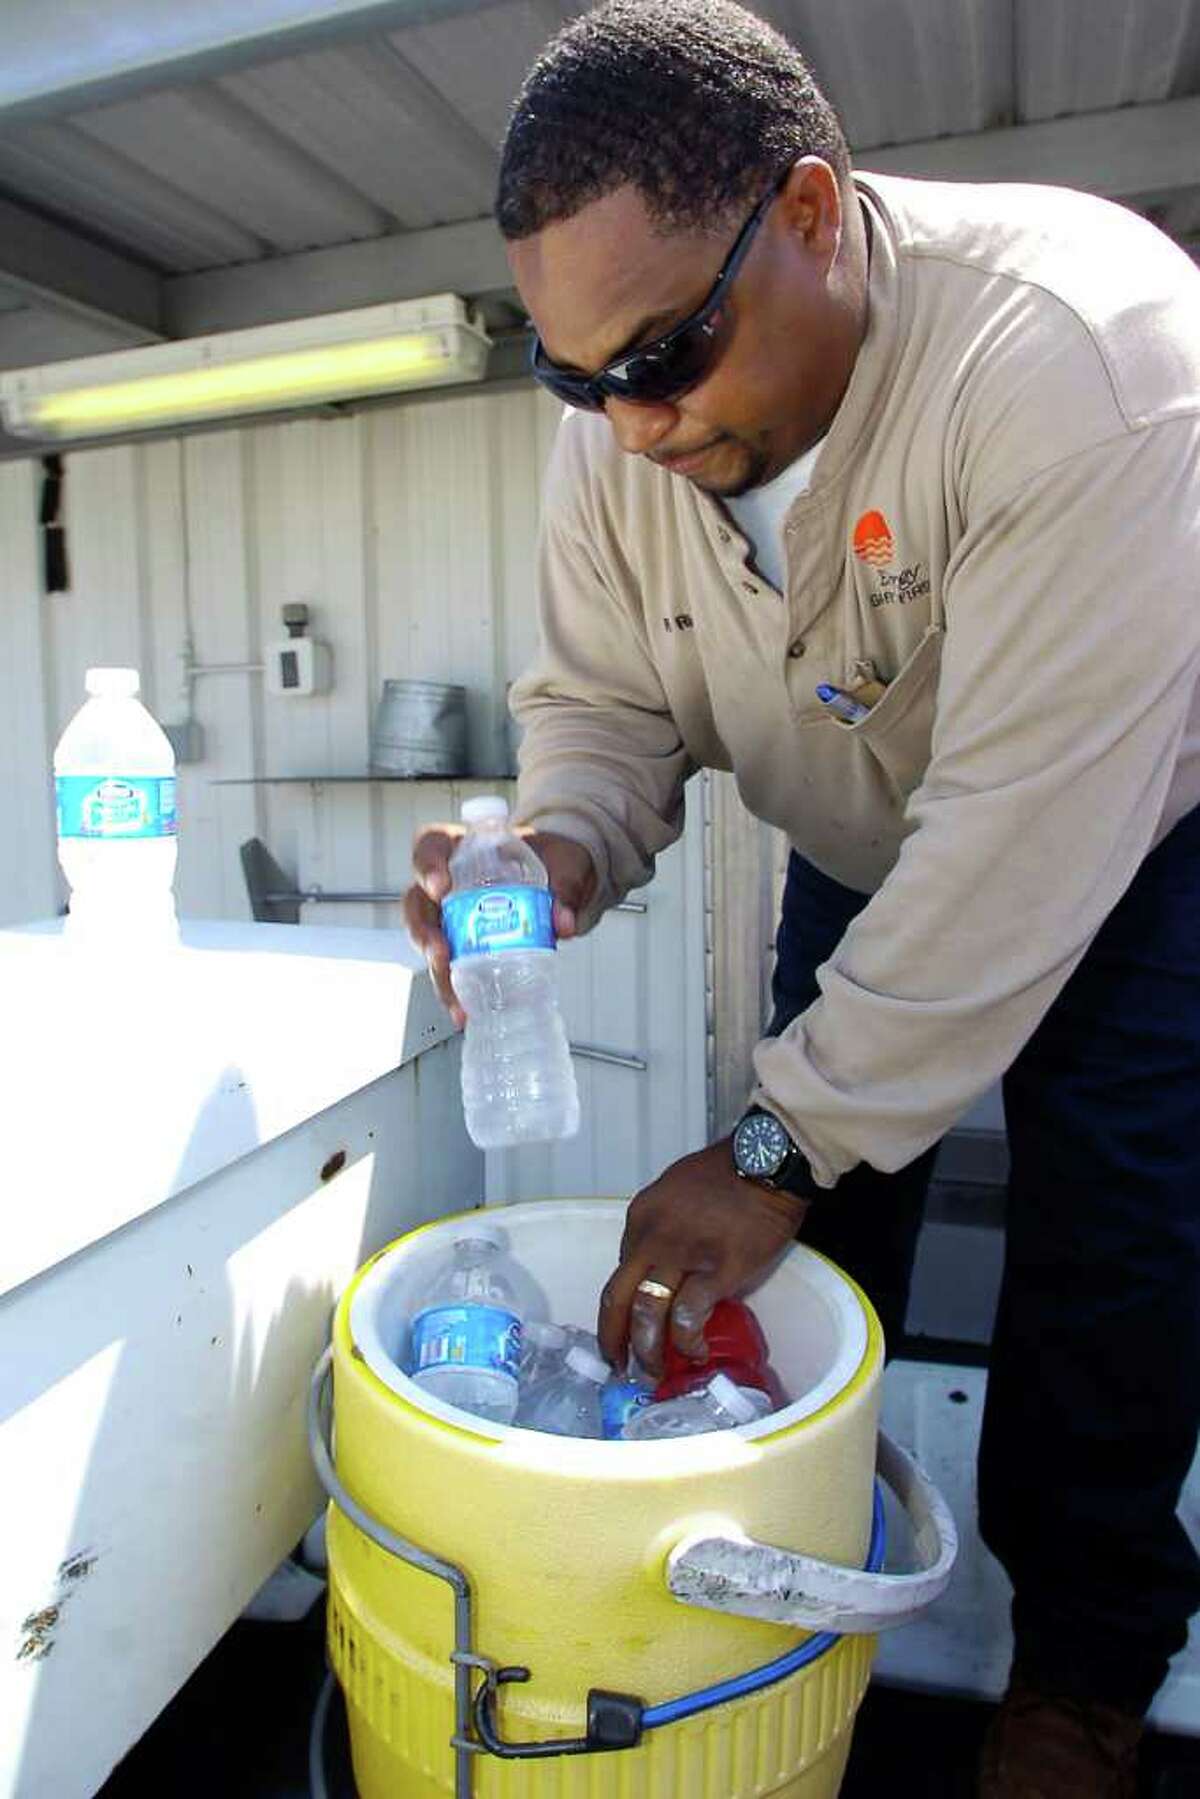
<point>114,788</point>
<point>518,1084</point>
<point>622,1396</point>
<point>568,1404</point>
<point>465,1340</point>
<point>721,1405</point>
<point>543,1351</point>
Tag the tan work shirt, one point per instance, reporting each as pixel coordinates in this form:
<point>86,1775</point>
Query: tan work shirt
<point>1004,526</point>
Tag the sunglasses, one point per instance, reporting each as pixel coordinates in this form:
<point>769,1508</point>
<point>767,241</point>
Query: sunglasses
<point>669,366</point>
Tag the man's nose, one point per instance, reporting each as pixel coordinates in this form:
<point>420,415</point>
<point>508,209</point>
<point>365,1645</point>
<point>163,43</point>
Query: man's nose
<point>637,428</point>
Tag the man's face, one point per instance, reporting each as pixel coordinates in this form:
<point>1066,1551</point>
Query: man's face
<point>606,280</point>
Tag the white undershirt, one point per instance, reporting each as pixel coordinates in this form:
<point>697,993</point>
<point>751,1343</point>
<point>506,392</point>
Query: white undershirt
<point>759,514</point>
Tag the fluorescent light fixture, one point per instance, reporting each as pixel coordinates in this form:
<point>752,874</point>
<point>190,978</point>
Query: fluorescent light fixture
<point>304,362</point>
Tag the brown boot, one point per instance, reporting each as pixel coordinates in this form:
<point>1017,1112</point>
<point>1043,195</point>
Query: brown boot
<point>1044,1746</point>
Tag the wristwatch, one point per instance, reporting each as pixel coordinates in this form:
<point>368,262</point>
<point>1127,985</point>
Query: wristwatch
<point>764,1151</point>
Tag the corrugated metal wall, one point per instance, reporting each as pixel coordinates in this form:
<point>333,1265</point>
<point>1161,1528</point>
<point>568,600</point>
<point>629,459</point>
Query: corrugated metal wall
<point>409,530</point>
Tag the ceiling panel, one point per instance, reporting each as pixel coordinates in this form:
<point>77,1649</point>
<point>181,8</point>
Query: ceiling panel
<point>120,200</point>
<point>480,60</point>
<point>30,334</point>
<point>902,70</point>
<point>211,148</point>
<point>369,115</point>
<point>62,55</point>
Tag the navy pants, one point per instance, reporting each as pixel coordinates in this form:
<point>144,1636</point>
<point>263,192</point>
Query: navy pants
<point>1094,1375</point>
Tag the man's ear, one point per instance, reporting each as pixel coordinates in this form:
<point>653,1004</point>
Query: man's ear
<point>811,199</point>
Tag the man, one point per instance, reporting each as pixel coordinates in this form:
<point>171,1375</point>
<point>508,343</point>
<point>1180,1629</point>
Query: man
<point>919,464</point>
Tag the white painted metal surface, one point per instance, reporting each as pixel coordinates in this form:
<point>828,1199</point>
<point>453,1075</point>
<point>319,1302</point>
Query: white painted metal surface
<point>122,45</point>
<point>152,1381</point>
<point>28,868</point>
<point>120,1093</point>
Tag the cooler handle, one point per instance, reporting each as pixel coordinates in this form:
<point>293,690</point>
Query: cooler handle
<point>737,1575</point>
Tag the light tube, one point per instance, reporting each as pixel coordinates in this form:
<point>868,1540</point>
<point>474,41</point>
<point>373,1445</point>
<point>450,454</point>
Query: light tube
<point>375,350</point>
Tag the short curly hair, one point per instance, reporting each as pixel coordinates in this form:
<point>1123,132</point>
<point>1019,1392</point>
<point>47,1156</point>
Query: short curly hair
<point>697,103</point>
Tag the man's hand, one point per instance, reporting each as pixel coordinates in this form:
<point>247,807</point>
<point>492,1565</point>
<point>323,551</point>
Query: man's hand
<point>705,1233</point>
<point>572,882</point>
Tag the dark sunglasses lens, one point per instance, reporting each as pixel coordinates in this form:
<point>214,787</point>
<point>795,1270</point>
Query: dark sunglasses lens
<point>574,390</point>
<point>671,369</point>
<point>675,365</point>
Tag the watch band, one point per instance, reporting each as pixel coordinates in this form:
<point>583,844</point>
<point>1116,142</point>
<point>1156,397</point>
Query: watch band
<point>797,1179</point>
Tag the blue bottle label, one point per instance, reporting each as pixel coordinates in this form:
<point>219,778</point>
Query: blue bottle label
<point>481,921</point>
<point>466,1337</point>
<point>619,1400</point>
<point>121,806</point>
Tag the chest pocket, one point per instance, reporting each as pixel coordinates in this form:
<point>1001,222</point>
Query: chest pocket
<point>898,728</point>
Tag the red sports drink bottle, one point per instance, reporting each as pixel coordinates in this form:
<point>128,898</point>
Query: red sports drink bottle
<point>736,1347</point>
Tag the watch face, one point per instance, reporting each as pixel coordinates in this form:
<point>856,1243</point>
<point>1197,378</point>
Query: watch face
<point>761,1145</point>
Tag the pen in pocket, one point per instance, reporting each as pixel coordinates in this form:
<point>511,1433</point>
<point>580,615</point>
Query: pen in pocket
<point>842,705</point>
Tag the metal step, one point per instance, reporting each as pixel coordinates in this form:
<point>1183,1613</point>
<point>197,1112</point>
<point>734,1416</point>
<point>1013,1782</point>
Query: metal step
<point>963,1643</point>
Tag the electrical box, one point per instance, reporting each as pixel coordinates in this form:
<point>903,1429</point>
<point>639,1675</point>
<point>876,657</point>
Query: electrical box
<point>297,666</point>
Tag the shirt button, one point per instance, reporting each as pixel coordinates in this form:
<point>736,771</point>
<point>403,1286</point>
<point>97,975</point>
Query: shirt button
<point>796,649</point>
<point>723,534</point>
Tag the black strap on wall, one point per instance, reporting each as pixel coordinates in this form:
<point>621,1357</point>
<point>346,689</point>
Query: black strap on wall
<point>55,572</point>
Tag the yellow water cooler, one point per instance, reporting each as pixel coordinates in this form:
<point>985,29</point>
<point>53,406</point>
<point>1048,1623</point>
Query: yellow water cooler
<point>520,1616</point>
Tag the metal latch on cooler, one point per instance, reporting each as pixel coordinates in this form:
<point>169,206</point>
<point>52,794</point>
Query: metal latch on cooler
<point>614,1720</point>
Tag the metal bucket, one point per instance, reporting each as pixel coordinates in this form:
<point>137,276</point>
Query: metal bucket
<point>420,728</point>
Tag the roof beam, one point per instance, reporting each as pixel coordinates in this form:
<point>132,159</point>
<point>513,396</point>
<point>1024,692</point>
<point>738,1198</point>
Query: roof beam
<point>33,335</point>
<point>57,268</point>
<point>1129,153</point>
<point>465,259</point>
<point>76,54</point>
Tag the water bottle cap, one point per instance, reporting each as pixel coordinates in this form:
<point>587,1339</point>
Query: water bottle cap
<point>484,806</point>
<point>480,1233</point>
<point>732,1398</point>
<point>111,683</point>
<point>545,1336</point>
<point>593,1367</point>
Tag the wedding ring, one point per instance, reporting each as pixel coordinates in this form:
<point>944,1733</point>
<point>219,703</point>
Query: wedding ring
<point>655,1290</point>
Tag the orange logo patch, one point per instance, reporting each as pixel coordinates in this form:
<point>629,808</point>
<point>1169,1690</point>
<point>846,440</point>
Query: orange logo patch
<point>873,540</point>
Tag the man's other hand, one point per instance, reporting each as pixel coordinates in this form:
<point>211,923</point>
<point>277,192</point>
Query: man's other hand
<point>706,1234</point>
<point>572,883</point>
